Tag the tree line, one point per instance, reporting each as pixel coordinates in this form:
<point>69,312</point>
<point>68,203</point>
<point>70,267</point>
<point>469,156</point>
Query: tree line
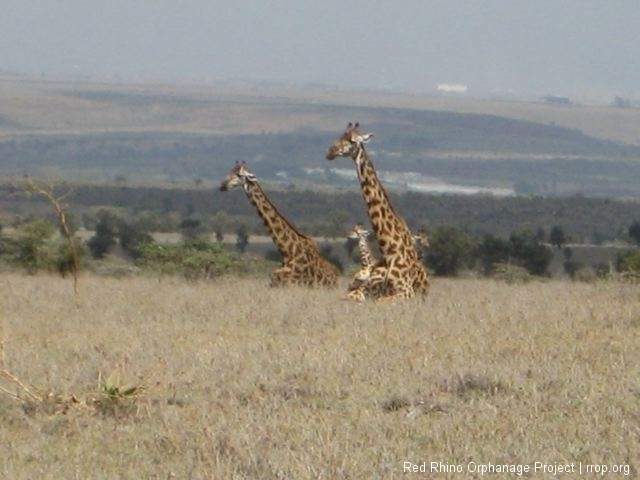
<point>331,214</point>
<point>36,244</point>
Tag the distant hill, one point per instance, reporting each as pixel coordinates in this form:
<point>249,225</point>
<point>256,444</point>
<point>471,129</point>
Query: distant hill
<point>164,134</point>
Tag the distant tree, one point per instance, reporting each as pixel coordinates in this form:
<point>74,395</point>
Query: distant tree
<point>528,252</point>
<point>557,236</point>
<point>242,238</point>
<point>449,250</point>
<point>570,265</point>
<point>492,251</point>
<point>105,235</point>
<point>190,228</point>
<point>220,223</point>
<point>131,237</point>
<point>634,232</point>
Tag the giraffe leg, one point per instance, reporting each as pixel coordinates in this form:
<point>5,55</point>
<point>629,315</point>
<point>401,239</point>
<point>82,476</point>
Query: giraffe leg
<point>396,296</point>
<point>356,295</point>
<point>281,276</point>
<point>396,290</point>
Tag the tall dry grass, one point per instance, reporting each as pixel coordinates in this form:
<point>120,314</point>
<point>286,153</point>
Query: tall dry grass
<point>244,381</point>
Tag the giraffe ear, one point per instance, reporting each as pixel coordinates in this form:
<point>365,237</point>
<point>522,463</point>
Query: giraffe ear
<point>364,137</point>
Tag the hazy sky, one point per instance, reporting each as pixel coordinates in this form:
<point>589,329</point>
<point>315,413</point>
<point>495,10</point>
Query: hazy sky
<point>529,47</point>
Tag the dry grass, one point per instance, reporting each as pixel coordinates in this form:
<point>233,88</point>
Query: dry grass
<point>243,381</point>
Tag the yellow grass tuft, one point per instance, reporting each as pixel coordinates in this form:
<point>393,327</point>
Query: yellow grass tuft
<point>293,383</point>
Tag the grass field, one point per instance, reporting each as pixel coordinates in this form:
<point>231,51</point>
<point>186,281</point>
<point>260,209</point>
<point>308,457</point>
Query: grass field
<point>237,380</point>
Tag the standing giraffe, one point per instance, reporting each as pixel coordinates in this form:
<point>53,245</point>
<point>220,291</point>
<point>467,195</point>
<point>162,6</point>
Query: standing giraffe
<point>401,273</point>
<point>301,260</point>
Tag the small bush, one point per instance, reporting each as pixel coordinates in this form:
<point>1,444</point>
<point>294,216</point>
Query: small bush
<point>511,273</point>
<point>195,259</point>
<point>629,262</point>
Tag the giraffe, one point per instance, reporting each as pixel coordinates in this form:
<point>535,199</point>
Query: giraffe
<point>421,240</point>
<point>302,263</point>
<point>401,274</point>
<point>357,286</point>
<point>367,260</point>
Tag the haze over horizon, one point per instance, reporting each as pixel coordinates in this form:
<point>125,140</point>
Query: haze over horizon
<point>576,48</point>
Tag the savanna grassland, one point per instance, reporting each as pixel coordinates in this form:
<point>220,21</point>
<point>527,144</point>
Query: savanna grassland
<point>232,379</point>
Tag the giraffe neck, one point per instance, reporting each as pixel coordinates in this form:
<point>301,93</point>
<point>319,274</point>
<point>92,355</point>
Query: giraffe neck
<point>284,235</point>
<point>366,257</point>
<point>390,229</point>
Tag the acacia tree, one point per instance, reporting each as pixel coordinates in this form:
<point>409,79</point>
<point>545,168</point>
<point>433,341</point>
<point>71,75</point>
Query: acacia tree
<point>557,236</point>
<point>61,212</point>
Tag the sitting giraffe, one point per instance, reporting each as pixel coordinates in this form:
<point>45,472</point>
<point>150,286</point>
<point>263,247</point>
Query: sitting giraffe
<point>302,263</point>
<point>401,273</point>
<point>421,240</point>
<point>368,262</point>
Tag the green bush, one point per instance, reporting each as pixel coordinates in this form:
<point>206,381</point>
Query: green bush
<point>449,250</point>
<point>36,246</point>
<point>528,252</point>
<point>511,273</point>
<point>628,262</point>
<point>195,259</point>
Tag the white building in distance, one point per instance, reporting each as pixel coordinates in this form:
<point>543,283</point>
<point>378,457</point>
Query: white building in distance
<point>456,88</point>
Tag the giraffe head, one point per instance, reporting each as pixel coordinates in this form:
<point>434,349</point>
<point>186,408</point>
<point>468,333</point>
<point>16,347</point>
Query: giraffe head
<point>239,176</point>
<point>358,232</point>
<point>347,145</point>
<point>421,238</point>
<point>421,242</point>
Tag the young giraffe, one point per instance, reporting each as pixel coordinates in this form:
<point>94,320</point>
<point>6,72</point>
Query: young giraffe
<point>367,260</point>
<point>358,286</point>
<point>301,260</point>
<point>401,274</point>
